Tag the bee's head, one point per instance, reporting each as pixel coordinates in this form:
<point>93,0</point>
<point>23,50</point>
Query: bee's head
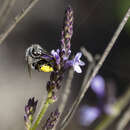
<point>35,51</point>
<point>38,59</point>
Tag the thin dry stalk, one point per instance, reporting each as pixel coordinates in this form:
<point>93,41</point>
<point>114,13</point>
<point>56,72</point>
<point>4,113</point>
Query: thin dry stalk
<point>8,5</point>
<point>17,20</point>
<point>124,120</point>
<point>4,7</point>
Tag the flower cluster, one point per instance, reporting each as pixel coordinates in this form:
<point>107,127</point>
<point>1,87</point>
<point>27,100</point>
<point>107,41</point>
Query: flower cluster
<point>62,56</point>
<point>57,62</point>
<point>29,112</point>
<point>51,120</point>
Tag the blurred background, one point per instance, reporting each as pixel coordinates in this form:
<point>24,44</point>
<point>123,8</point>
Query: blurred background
<point>94,24</point>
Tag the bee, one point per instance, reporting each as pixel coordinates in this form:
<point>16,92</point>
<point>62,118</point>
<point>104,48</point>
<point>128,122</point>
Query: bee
<point>38,59</point>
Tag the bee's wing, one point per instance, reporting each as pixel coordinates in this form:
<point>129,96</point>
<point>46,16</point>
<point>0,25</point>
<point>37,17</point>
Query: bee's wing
<point>46,56</point>
<point>29,69</point>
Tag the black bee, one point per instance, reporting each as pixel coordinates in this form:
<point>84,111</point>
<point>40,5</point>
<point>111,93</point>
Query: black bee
<point>38,59</point>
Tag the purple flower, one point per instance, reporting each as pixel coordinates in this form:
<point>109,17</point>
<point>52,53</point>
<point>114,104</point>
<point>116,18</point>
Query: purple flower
<point>30,109</point>
<point>66,57</point>
<point>55,54</point>
<point>76,63</point>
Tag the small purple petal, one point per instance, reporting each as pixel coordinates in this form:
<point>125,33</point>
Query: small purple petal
<point>98,85</point>
<point>81,63</point>
<point>63,50</point>
<point>78,55</point>
<point>77,69</point>
<point>68,63</point>
<point>55,54</point>
<point>65,58</point>
<point>58,51</point>
<point>57,57</point>
<point>69,52</point>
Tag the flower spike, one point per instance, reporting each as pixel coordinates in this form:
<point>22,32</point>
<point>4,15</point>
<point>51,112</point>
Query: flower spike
<point>67,29</point>
<point>51,121</point>
<point>29,112</point>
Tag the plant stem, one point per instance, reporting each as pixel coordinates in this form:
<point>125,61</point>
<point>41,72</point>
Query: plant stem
<point>124,120</point>
<point>65,96</point>
<point>42,112</point>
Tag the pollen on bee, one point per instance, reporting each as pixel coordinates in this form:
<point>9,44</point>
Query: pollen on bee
<point>46,68</point>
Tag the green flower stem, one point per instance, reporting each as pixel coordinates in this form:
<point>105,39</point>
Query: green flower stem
<point>42,112</point>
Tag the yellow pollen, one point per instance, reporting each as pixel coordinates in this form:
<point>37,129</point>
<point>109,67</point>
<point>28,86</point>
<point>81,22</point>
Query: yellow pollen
<point>46,68</point>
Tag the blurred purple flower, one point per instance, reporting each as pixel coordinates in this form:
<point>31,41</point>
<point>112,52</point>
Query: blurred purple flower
<point>88,115</point>
<point>98,85</point>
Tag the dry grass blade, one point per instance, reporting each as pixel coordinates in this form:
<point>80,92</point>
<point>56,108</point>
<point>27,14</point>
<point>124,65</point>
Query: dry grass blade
<point>17,20</point>
<point>124,120</point>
